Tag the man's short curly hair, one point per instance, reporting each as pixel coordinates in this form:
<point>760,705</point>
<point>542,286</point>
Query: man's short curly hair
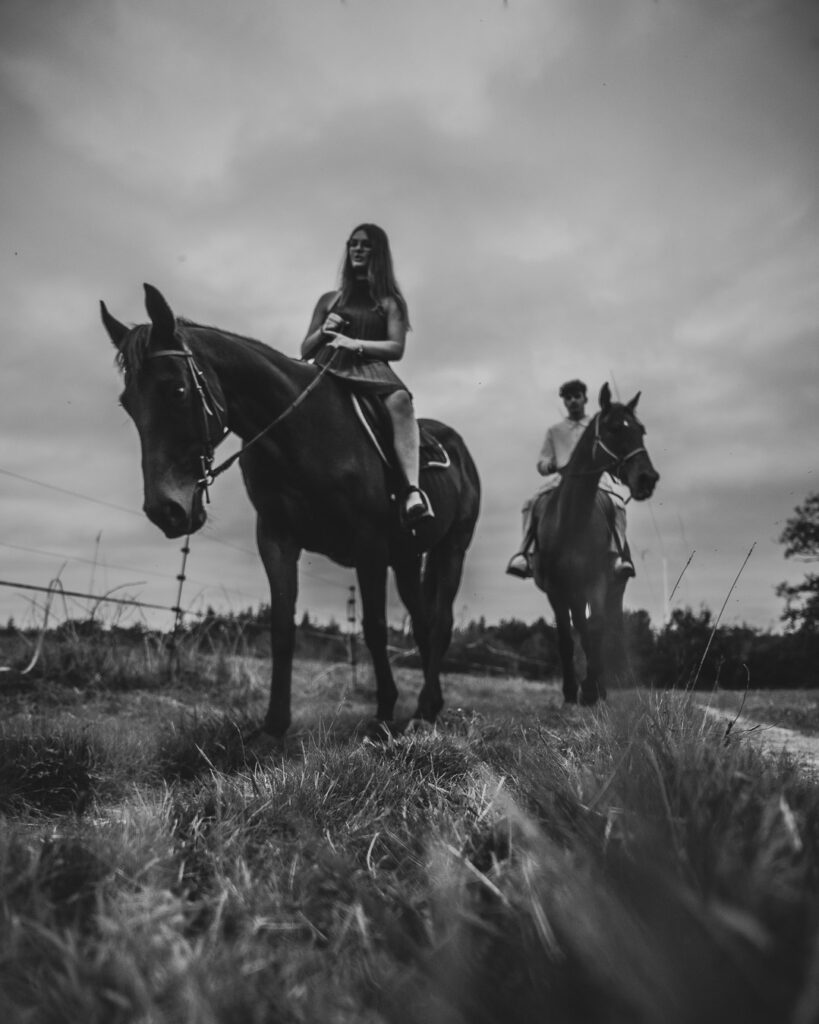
<point>572,387</point>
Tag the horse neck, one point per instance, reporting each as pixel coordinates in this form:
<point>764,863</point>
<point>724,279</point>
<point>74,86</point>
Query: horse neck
<point>581,478</point>
<point>258,382</point>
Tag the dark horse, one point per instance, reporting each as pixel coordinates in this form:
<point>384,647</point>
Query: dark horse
<point>315,480</point>
<point>571,561</point>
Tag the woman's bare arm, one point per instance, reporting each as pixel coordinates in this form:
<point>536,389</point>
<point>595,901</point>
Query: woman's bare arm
<point>390,348</point>
<point>315,336</point>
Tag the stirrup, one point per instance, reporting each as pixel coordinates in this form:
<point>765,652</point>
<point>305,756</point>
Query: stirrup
<point>519,566</point>
<point>416,507</point>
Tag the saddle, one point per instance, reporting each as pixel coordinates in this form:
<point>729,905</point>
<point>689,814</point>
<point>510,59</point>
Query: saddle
<point>376,422</point>
<point>604,502</point>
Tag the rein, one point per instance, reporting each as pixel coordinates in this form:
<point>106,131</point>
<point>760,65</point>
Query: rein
<point>208,405</point>
<point>213,473</point>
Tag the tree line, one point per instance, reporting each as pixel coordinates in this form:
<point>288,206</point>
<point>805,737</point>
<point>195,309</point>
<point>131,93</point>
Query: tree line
<point>690,650</point>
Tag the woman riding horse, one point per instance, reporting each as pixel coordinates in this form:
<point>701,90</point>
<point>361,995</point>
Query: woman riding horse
<point>359,330</point>
<point>313,475</point>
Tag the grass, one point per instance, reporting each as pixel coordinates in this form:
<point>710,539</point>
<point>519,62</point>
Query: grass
<point>522,862</point>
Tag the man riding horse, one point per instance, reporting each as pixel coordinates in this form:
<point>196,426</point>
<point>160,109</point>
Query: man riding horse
<point>558,445</point>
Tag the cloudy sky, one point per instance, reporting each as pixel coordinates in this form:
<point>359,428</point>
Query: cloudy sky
<point>621,190</point>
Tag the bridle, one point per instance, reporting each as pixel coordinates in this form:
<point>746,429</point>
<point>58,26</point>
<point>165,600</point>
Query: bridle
<point>618,461</point>
<point>211,410</point>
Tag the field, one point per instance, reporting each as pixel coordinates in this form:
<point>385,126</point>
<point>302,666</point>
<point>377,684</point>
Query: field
<point>521,862</point>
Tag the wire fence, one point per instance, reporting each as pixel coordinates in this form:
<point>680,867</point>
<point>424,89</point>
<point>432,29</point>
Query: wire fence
<point>98,598</point>
<point>348,641</point>
<point>113,506</point>
<point>55,588</point>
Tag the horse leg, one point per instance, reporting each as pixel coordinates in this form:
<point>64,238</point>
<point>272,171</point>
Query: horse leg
<point>408,581</point>
<point>372,582</point>
<point>280,557</point>
<point>616,655</point>
<point>442,577</point>
<point>565,647</point>
<point>594,687</point>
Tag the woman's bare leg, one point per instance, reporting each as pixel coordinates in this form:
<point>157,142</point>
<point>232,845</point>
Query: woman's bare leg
<point>405,433</point>
<point>406,442</point>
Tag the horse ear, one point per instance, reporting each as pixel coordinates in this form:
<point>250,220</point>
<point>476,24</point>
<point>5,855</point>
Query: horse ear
<point>605,398</point>
<point>162,318</point>
<point>116,330</point>
<point>632,405</point>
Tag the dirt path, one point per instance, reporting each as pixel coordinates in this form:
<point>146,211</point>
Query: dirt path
<point>772,738</point>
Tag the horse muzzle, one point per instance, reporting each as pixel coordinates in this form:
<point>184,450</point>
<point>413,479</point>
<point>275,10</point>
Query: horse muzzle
<point>173,518</point>
<point>643,485</point>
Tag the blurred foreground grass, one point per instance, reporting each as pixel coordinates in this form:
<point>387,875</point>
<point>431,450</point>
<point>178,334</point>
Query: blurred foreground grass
<point>520,863</point>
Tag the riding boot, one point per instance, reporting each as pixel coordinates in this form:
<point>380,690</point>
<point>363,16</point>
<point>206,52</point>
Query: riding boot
<point>520,564</point>
<point>622,568</point>
<point>622,565</point>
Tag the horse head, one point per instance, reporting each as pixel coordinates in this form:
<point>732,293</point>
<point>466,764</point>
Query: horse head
<point>619,445</point>
<point>176,409</point>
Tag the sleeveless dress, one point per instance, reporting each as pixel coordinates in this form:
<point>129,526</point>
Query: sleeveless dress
<point>368,322</point>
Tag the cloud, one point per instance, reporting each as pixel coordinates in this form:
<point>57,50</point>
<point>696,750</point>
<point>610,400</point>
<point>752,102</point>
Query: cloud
<point>621,192</point>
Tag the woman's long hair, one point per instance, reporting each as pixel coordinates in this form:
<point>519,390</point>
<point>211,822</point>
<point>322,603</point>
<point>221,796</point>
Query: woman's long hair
<point>380,274</point>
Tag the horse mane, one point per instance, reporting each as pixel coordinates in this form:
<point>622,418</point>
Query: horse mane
<point>133,349</point>
<point>580,449</point>
<point>185,326</point>
<point>194,325</point>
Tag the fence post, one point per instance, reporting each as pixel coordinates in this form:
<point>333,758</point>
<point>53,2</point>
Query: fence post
<point>173,652</point>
